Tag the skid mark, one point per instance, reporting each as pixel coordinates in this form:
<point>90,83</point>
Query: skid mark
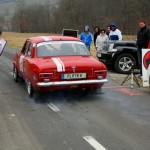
<point>126,90</point>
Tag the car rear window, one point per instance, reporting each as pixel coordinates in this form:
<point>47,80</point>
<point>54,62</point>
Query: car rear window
<point>61,48</point>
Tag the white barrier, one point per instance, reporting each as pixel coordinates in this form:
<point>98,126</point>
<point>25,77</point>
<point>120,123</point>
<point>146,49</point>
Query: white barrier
<point>145,66</point>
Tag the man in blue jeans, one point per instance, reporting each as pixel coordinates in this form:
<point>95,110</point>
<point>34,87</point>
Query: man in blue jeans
<point>86,37</point>
<point>143,37</point>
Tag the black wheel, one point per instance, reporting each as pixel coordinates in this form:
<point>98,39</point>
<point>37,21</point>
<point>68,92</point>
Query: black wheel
<point>15,74</point>
<point>30,89</point>
<point>124,63</point>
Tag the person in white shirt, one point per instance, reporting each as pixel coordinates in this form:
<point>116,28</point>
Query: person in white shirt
<point>101,39</point>
<point>115,34</point>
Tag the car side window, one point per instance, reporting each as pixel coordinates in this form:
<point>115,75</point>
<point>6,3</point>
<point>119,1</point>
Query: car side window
<point>24,50</point>
<point>29,50</point>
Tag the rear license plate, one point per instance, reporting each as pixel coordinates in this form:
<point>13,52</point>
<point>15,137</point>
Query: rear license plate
<point>73,76</point>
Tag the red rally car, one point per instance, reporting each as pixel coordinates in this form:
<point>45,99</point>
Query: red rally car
<point>57,62</point>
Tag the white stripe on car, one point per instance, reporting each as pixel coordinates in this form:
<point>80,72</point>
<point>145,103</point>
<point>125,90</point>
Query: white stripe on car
<point>58,64</point>
<point>63,66</point>
<point>45,38</point>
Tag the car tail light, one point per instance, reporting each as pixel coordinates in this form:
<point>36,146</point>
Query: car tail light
<point>100,74</point>
<point>45,75</point>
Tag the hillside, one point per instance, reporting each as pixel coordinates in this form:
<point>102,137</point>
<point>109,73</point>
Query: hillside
<point>6,1</point>
<point>29,1</point>
<point>8,8</point>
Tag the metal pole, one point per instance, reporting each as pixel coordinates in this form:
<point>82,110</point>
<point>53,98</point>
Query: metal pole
<point>131,83</point>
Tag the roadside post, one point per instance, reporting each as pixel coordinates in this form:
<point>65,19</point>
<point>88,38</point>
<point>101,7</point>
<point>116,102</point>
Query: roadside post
<point>2,45</point>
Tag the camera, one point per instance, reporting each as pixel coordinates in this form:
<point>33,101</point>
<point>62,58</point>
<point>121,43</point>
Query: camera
<point>132,65</point>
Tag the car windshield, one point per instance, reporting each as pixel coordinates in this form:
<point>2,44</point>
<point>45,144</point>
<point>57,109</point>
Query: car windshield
<point>61,48</point>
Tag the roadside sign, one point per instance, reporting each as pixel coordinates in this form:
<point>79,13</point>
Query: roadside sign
<point>145,65</point>
<point>2,45</point>
<point>70,32</point>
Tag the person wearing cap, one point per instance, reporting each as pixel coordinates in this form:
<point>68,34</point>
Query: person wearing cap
<point>97,32</point>
<point>115,34</point>
<point>86,37</point>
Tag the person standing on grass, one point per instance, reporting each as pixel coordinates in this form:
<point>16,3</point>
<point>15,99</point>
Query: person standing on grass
<point>108,30</point>
<point>115,34</point>
<point>101,39</point>
<point>0,34</point>
<point>97,32</point>
<point>143,37</point>
<point>86,37</point>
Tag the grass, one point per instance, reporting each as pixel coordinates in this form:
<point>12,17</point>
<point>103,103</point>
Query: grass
<point>16,40</point>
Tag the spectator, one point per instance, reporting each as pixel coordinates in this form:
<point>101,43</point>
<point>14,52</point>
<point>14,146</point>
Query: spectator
<point>97,32</point>
<point>86,37</point>
<point>108,30</point>
<point>115,34</point>
<point>101,39</point>
<point>0,33</point>
<point>143,36</point>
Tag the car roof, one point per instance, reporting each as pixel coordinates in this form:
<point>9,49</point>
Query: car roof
<point>39,39</point>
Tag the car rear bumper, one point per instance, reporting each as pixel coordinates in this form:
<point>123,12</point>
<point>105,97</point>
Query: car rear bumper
<point>67,83</point>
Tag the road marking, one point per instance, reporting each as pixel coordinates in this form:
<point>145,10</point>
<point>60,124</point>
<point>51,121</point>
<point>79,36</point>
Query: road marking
<point>94,143</point>
<point>114,87</point>
<point>11,73</point>
<point>129,92</point>
<point>53,107</point>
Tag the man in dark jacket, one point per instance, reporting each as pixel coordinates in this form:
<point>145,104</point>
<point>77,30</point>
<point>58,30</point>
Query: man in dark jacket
<point>97,32</point>
<point>143,36</point>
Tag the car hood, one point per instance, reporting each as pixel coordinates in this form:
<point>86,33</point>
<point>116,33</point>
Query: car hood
<point>62,64</point>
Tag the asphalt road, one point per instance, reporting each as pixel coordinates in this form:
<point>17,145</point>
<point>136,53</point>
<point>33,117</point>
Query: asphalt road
<point>115,118</point>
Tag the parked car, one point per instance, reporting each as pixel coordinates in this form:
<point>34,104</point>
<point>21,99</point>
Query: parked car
<point>57,62</point>
<point>119,54</point>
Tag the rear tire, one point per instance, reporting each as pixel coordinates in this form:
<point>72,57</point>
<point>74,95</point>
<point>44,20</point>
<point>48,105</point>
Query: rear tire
<point>15,74</point>
<point>30,89</point>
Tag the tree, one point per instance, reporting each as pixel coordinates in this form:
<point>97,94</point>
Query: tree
<point>76,14</point>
